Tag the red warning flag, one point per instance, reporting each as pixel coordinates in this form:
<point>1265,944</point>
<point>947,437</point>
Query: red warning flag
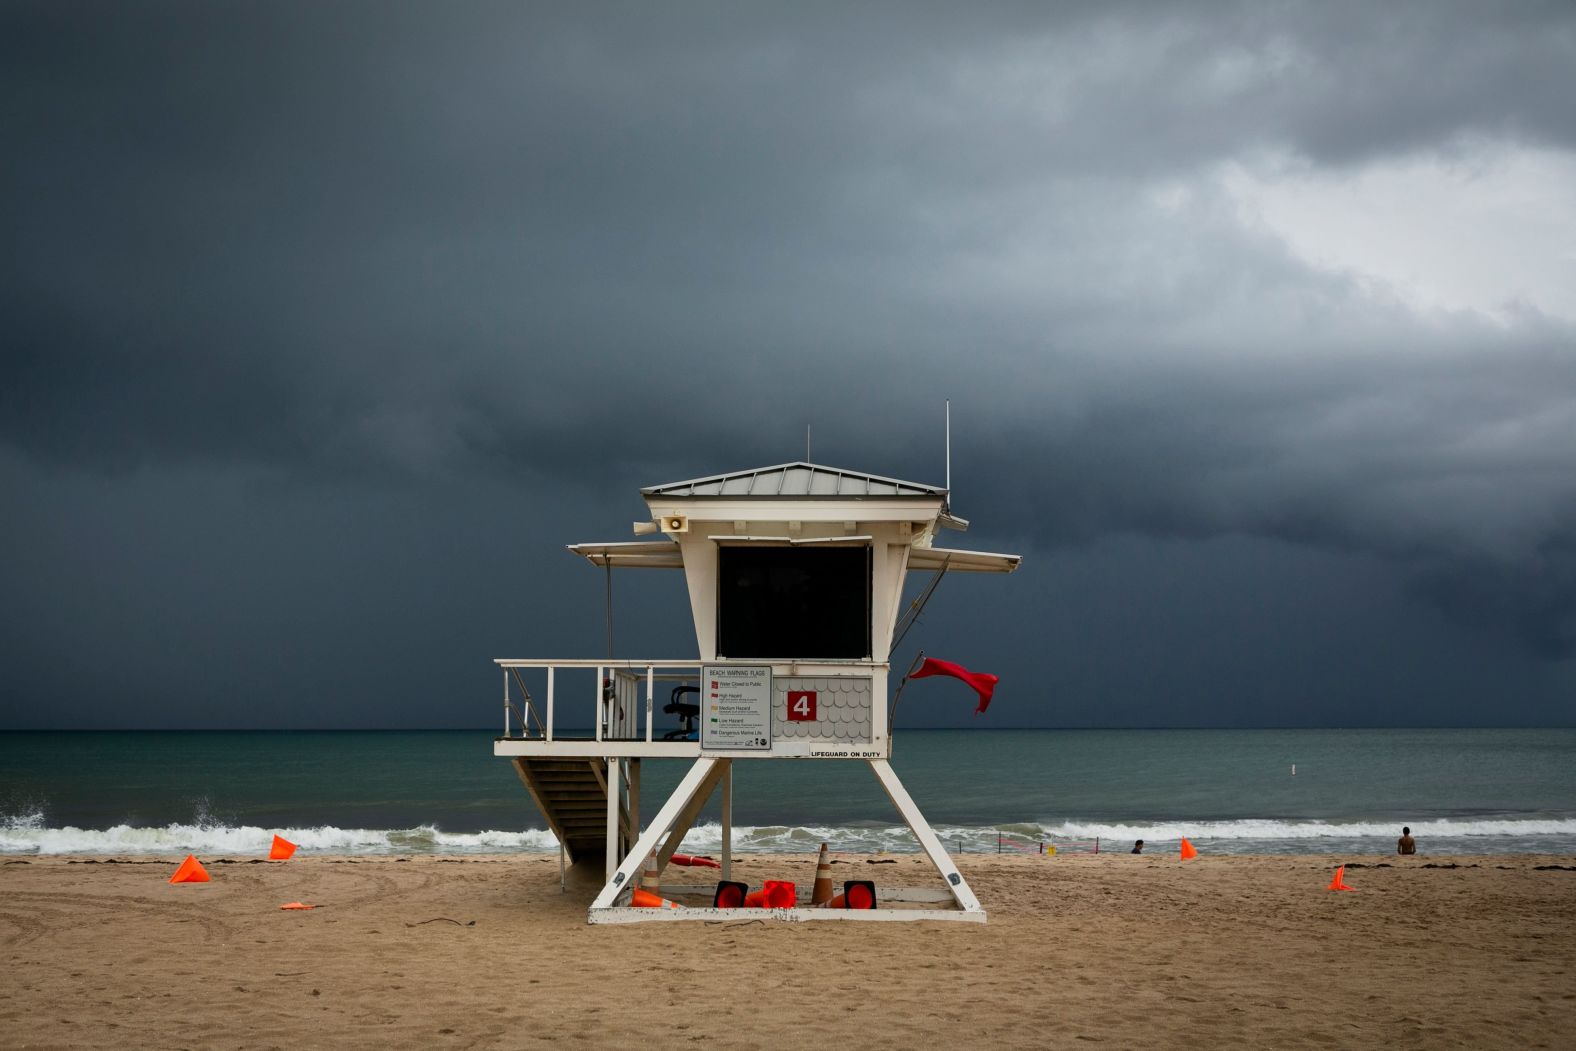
<point>281,850</point>
<point>1188,850</point>
<point>191,871</point>
<point>983,683</point>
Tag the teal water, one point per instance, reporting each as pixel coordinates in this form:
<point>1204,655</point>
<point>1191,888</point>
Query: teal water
<point>1461,791</point>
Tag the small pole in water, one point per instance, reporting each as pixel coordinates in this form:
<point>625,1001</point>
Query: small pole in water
<point>1294,769</point>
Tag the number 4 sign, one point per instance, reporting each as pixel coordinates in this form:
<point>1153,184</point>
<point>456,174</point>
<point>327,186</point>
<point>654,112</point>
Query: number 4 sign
<point>801,706</point>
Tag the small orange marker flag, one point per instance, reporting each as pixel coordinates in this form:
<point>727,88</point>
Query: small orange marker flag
<point>1339,882</point>
<point>296,905</point>
<point>1188,850</point>
<point>191,871</point>
<point>281,850</point>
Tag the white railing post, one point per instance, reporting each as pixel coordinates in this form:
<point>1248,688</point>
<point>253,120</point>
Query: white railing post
<point>650,683</point>
<point>506,702</point>
<point>597,711</point>
<point>550,670</point>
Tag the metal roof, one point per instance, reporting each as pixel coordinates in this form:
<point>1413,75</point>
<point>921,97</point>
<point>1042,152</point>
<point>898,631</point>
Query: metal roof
<point>795,479</point>
<point>665,554</point>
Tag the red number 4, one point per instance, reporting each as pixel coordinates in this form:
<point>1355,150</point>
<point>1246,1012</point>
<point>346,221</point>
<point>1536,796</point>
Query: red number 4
<point>801,706</point>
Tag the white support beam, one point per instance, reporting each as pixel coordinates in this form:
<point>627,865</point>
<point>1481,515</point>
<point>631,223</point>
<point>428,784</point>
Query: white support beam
<point>634,799</point>
<point>659,826</point>
<point>727,819</point>
<point>612,817</point>
<point>927,838</point>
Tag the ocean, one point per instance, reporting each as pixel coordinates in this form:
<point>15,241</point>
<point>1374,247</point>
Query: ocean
<point>1479,791</point>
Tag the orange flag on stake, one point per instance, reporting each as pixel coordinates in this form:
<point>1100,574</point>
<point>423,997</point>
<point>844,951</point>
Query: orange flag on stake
<point>281,850</point>
<point>1187,850</point>
<point>1339,882</point>
<point>191,871</point>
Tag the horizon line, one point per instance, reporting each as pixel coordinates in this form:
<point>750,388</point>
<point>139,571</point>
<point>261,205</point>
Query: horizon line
<point>492,730</point>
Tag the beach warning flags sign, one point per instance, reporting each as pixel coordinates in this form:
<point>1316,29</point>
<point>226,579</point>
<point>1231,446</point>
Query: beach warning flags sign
<point>1339,882</point>
<point>191,871</point>
<point>281,850</point>
<point>1188,850</point>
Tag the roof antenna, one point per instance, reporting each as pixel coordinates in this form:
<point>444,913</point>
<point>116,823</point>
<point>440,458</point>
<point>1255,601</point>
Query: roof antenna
<point>807,443</point>
<point>949,452</point>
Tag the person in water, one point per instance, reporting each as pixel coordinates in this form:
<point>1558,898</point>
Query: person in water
<point>1138,847</point>
<point>1406,844</point>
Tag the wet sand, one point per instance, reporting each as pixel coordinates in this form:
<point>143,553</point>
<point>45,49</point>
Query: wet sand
<point>488,952</point>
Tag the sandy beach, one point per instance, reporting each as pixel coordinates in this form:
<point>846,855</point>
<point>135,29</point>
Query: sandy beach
<point>489,952</point>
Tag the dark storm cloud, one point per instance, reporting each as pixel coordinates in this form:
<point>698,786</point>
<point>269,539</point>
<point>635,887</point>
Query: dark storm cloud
<point>299,232</point>
<point>591,248</point>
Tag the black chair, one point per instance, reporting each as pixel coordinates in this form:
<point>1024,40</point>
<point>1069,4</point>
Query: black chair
<point>688,714</point>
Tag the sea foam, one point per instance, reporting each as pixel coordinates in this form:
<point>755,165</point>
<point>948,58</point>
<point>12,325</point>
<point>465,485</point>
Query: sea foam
<point>28,833</point>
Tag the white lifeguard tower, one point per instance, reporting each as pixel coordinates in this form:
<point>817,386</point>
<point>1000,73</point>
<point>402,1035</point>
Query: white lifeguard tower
<point>795,576</point>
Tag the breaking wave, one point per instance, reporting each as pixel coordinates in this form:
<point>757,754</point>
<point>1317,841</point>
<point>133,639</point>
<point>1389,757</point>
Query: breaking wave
<point>28,833</point>
<point>1553,835</point>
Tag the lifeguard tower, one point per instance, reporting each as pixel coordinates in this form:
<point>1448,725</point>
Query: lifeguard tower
<point>795,576</point>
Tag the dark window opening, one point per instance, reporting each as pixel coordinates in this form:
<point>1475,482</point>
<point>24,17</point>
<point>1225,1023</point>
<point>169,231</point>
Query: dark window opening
<point>794,602</point>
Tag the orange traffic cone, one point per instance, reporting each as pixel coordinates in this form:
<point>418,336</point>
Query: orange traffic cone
<point>191,871</point>
<point>821,893</point>
<point>1188,850</point>
<point>1339,882</point>
<point>729,895</point>
<point>857,894</point>
<point>648,878</point>
<point>644,899</point>
<point>281,850</point>
<point>774,894</point>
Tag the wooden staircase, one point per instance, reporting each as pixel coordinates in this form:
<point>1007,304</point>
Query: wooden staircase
<point>572,796</point>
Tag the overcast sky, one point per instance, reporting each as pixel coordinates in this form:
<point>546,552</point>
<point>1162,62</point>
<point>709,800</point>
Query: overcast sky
<point>324,326</point>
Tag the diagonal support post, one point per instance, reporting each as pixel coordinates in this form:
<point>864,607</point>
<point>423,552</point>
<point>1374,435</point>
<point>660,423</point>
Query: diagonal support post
<point>956,884</point>
<point>700,777</point>
<point>691,811</point>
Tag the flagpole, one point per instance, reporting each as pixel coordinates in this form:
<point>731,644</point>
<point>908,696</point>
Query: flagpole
<point>892,713</point>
